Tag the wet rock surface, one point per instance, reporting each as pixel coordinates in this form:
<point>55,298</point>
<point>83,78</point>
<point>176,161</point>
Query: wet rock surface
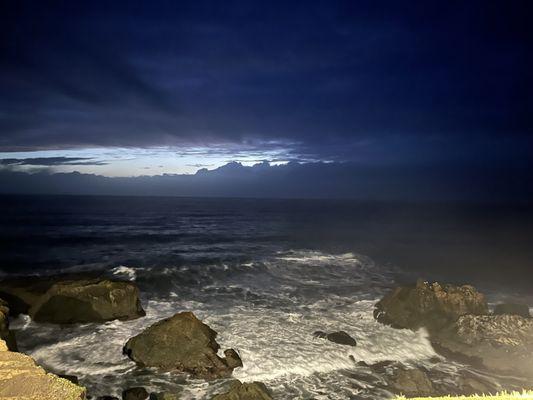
<point>521,310</point>
<point>181,343</point>
<point>135,393</point>
<point>429,305</point>
<point>502,343</point>
<point>339,337</point>
<point>411,382</point>
<point>66,300</point>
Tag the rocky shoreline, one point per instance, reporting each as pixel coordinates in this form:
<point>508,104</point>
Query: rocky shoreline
<point>457,319</point>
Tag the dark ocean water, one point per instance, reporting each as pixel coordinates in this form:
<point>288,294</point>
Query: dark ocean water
<point>265,274</point>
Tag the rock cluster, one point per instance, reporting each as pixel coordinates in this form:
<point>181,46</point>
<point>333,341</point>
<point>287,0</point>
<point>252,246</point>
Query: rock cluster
<point>22,378</point>
<point>245,391</point>
<point>460,326</point>
<point>181,343</point>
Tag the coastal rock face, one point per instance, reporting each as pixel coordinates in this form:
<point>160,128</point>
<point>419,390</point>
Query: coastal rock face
<point>411,382</point>
<point>22,378</point>
<point>339,337</point>
<point>245,391</point>
<point>95,300</point>
<point>512,309</point>
<point>181,343</point>
<point>5,333</point>
<point>429,305</point>
<point>502,343</point>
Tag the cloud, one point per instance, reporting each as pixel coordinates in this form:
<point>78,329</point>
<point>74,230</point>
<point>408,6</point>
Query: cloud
<point>313,180</point>
<point>50,161</point>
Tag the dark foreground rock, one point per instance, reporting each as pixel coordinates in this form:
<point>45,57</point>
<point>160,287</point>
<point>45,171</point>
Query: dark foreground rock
<point>512,309</point>
<point>181,343</point>
<point>429,305</point>
<point>164,396</point>
<point>245,391</point>
<point>63,301</point>
<point>411,382</point>
<point>5,334</point>
<point>502,343</point>
<point>339,337</point>
<point>135,393</point>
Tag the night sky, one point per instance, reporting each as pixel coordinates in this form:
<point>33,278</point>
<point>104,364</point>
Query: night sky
<point>375,99</point>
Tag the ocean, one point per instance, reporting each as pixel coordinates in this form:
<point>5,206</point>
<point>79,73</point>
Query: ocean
<point>265,274</point>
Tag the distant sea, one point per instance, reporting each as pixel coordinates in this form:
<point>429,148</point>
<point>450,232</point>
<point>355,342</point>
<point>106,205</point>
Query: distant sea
<point>263,273</point>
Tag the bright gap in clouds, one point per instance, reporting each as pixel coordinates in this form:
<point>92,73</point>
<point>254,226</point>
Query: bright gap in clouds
<point>126,162</point>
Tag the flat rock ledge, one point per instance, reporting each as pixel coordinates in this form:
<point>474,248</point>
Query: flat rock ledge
<point>22,379</point>
<point>181,343</point>
<point>67,301</point>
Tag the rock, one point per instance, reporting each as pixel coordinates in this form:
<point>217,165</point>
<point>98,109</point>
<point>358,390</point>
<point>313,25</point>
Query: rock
<point>339,337</point>
<point>107,398</point>
<point>71,378</point>
<point>245,391</point>
<point>21,378</point>
<point>500,343</point>
<point>135,393</point>
<point>411,382</point>
<point>164,396</point>
<point>95,300</point>
<point>22,293</point>
<point>181,343</point>
<point>470,385</point>
<point>512,309</point>
<point>5,333</point>
<point>429,305</point>
<point>233,360</point>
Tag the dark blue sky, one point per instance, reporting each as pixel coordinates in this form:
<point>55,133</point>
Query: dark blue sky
<point>133,88</point>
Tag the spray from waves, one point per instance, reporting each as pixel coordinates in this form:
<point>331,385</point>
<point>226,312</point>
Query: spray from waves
<point>267,309</point>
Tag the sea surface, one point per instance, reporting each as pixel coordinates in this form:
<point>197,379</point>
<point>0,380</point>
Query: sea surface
<point>265,274</point>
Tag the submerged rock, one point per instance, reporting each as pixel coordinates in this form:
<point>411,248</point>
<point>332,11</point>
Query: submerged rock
<point>22,378</point>
<point>5,333</point>
<point>135,393</point>
<point>245,391</point>
<point>181,343</point>
<point>339,337</point>
<point>429,305</point>
<point>512,309</point>
<point>501,343</point>
<point>164,396</point>
<point>411,382</point>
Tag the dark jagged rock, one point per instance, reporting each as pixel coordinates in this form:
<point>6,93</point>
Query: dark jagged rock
<point>71,378</point>
<point>339,337</point>
<point>181,343</point>
<point>245,391</point>
<point>135,393</point>
<point>5,333</point>
<point>429,305</point>
<point>512,309</point>
<point>411,382</point>
<point>501,343</point>
<point>233,360</point>
<point>107,398</point>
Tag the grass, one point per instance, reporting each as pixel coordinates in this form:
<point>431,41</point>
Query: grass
<point>499,396</point>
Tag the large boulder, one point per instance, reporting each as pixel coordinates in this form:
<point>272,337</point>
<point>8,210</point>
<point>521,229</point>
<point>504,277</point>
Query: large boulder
<point>92,300</point>
<point>429,305</point>
<point>22,293</point>
<point>5,333</point>
<point>181,343</point>
<point>245,391</point>
<point>501,343</point>
<point>21,378</point>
